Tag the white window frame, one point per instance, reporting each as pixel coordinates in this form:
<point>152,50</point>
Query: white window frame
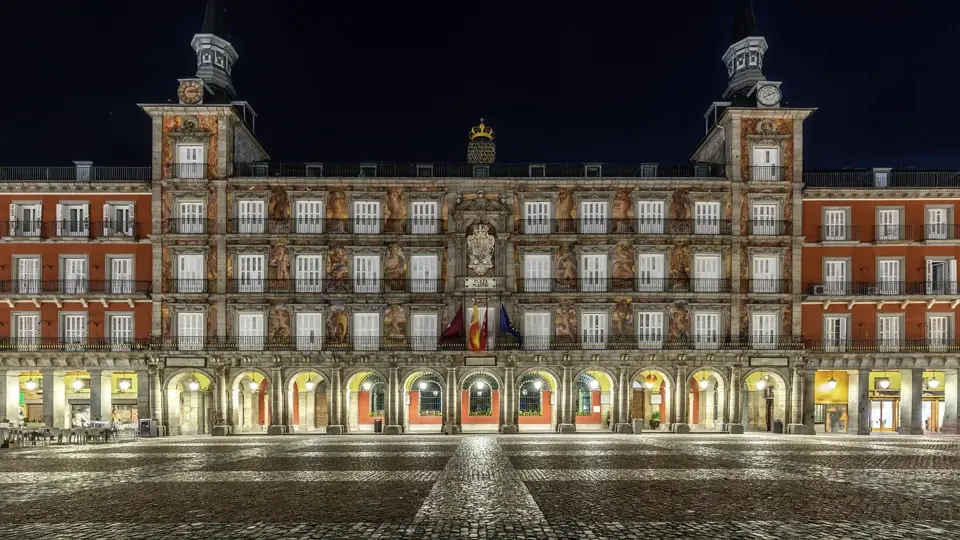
<point>69,264</point>
<point>939,339</point>
<point>308,338</point>
<point>534,337</point>
<point>537,272</point>
<point>367,273</point>
<point>594,216</point>
<point>537,217</point>
<point>651,272</point>
<point>707,283</point>
<point>251,216</point>
<point>306,278</point>
<point>194,341</point>
<point>884,285</point>
<point>20,321</point>
<point>594,330</point>
<point>841,339</point>
<point>122,285</point>
<point>765,163</point>
<point>890,330</point>
<point>765,225</point>
<point>120,342</point>
<point>251,330</point>
<point>712,338</point>
<point>770,283</point>
<point>889,229</point>
<point>191,161</point>
<point>191,216</point>
<point>366,336</point>
<point>73,228</point>
<point>424,331</point>
<point>836,224</point>
<point>836,287</point>
<point>251,273</point>
<point>707,217</point>
<point>305,219</point>
<point>594,270</point>
<point>113,225</point>
<point>765,329</point>
<point>33,283</point>
<point>26,225</point>
<point>74,331</point>
<point>189,284</point>
<point>941,286</point>
<point>367,217</point>
<point>938,229</point>
<point>425,217</point>
<point>650,329</point>
<point>651,216</point>
<point>424,273</point>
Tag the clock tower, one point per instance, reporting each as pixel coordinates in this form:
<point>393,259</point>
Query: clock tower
<point>747,87</point>
<point>215,55</point>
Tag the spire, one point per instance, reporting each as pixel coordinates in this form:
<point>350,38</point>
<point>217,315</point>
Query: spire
<point>744,57</point>
<point>215,55</point>
<point>744,21</point>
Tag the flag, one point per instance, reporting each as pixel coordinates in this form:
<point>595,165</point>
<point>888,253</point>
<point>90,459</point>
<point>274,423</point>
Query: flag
<point>455,328</point>
<point>507,327</point>
<point>484,331</point>
<point>474,333</point>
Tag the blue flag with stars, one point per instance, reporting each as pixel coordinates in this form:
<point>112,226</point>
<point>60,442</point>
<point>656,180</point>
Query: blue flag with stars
<point>507,326</point>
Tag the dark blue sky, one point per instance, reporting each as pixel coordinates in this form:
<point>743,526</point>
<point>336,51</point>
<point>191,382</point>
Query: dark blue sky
<point>405,83</point>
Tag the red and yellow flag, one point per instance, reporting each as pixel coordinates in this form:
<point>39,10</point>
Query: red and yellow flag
<point>474,339</point>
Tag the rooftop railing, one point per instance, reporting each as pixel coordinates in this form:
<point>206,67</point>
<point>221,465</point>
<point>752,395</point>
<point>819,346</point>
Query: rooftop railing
<point>880,178</point>
<point>467,170</point>
<point>77,174</point>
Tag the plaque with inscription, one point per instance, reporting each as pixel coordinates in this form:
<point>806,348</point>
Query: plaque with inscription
<point>480,283</point>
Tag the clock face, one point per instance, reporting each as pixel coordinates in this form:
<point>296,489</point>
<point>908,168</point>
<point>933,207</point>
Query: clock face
<point>190,92</point>
<point>768,95</point>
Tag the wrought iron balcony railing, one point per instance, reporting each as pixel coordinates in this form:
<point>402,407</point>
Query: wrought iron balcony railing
<point>888,233</point>
<point>189,286</point>
<point>188,226</point>
<point>707,227</point>
<point>75,286</point>
<point>905,345</point>
<point>69,229</point>
<point>941,231</point>
<point>768,227</point>
<point>881,288</point>
<point>768,173</point>
<point>186,171</point>
<point>335,226</point>
<point>881,179</point>
<point>618,285</point>
<point>769,286</point>
<point>839,233</point>
<point>28,344</point>
<point>335,286</point>
<point>76,174</point>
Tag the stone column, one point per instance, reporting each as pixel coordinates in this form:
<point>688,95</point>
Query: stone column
<point>620,416</point>
<point>735,396</point>
<point>277,410</point>
<point>509,405</point>
<point>680,424</point>
<point>911,402</point>
<point>950,424</point>
<point>101,402</point>
<point>143,394</point>
<point>221,404</point>
<point>394,403</point>
<point>451,408</point>
<point>796,401</point>
<point>858,402</point>
<point>335,402</point>
<point>10,396</point>
<point>567,400</point>
<point>807,401</point>
<point>54,400</point>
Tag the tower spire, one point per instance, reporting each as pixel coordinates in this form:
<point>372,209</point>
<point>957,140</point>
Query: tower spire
<point>744,57</point>
<point>744,21</point>
<point>215,55</point>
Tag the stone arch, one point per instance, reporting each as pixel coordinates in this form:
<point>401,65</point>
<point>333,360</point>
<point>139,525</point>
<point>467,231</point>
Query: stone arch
<point>491,412</point>
<point>176,375</point>
<point>240,372</point>
<point>408,377</point>
<point>356,414</point>
<point>665,375</point>
<point>601,410</point>
<point>757,412</point>
<point>474,371</point>
<point>188,412</point>
<point>306,409</point>
<point>250,412</point>
<point>641,401</point>
<point>547,420</point>
<point>710,412</point>
<point>415,417</point>
<point>552,374</point>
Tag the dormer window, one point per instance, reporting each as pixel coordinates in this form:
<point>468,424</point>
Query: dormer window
<point>481,171</point>
<point>424,171</point>
<point>592,171</point>
<point>368,170</point>
<point>538,171</point>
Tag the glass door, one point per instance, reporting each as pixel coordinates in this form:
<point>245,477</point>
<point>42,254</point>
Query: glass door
<point>883,414</point>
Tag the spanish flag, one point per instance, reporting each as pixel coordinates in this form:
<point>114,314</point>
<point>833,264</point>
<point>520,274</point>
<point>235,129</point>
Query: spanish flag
<point>475,334</point>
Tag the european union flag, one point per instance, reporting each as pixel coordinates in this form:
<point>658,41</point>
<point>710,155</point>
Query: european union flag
<point>507,326</point>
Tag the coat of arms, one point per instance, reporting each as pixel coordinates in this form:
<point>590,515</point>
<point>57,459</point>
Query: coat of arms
<point>480,249</point>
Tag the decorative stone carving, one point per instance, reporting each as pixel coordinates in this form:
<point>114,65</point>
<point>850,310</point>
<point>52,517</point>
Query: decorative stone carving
<point>623,211</point>
<point>166,322</point>
<point>566,209</point>
<point>480,245</point>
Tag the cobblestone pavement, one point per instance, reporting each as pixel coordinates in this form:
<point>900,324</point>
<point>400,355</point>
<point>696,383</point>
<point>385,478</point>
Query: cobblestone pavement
<point>545,486</point>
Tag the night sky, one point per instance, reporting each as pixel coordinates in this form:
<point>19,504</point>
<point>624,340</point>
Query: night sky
<point>348,81</point>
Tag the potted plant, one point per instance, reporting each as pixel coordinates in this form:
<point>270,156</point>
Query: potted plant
<point>655,420</point>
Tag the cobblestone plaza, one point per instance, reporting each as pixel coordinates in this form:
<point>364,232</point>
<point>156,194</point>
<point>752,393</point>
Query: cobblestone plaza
<point>476,486</point>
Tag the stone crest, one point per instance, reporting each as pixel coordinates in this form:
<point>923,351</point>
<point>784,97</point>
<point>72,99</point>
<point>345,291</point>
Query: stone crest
<point>480,249</point>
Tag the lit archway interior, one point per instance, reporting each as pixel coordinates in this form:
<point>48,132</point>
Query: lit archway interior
<point>536,407</point>
<point>366,398</point>
<point>423,399</point>
<point>705,400</point>
<point>594,394</point>
<point>651,399</point>
<point>308,402</point>
<point>251,402</point>
<point>190,404</point>
<point>764,401</point>
<point>480,403</point>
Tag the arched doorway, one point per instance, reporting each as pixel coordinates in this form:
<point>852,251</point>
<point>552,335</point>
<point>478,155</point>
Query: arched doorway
<point>764,400</point>
<point>480,403</point>
<point>366,399</point>
<point>307,401</point>
<point>705,400</point>
<point>190,403</point>
<point>651,399</point>
<point>536,393</point>
<point>251,402</point>
<point>423,398</point>
<point>594,394</point>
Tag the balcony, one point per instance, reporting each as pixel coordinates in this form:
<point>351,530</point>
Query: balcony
<point>334,226</point>
<point>335,286</point>
<point>881,179</point>
<point>533,171</point>
<point>769,286</point>
<point>188,226</point>
<point>881,288</point>
<point>907,345</point>
<point>102,344</point>
<point>75,287</point>
<point>186,171</point>
<point>77,174</point>
<point>768,227</point>
<point>674,227</point>
<point>941,231</point>
<point>623,285</point>
<point>768,173</point>
<point>189,286</point>
<point>70,229</point>
<point>892,233</point>
<point>838,233</point>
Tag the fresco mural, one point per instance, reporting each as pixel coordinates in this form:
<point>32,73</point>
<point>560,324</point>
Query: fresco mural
<point>624,266</point>
<point>679,324</point>
<point>679,270</point>
<point>565,267</point>
<point>279,206</point>
<point>338,273</point>
<point>211,321</point>
<point>621,321</point>
<point>565,323</point>
<point>395,268</point>
<point>623,211</point>
<point>338,214</point>
<point>396,212</point>
<point>395,325</point>
<point>337,328</point>
<point>175,126</point>
<point>279,263</point>
<point>279,325</point>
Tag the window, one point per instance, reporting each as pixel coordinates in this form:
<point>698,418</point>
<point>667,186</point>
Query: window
<point>889,332</point>
<point>426,218</point>
<point>531,394</point>
<point>28,275</point>
<point>118,219</point>
<point>536,330</point>
<point>424,275</point>
<point>835,225</point>
<point>368,170</point>
<point>192,218</point>
<point>377,389</point>
<point>26,331</point>
<point>593,217</point>
<point>74,274</point>
<point>650,217</point>
<point>366,217</point>
<point>308,277</point>
<point>937,225</point>
<point>424,171</point>
<point>881,178</point>
<point>536,273</point>
<point>366,273</point>
<point>765,218</point>
<point>251,273</point>
<point>650,270</point>
<point>592,170</point>
<point>593,276</point>
<point>73,220</point>
<point>308,331</point>
<point>25,219</point>
<point>190,274</point>
<point>942,276</point>
<point>429,396</point>
<point>423,331</point>
<point>594,330</point>
<point>250,217</point>
<point>706,330</point>
<point>73,330</point>
<point>888,224</point>
<point>480,399</point>
<point>706,273</point>
<point>308,216</point>
<point>939,331</point>
<point>190,331</point>
<point>766,275</point>
<point>764,331</point>
<point>835,274</point>
<point>765,166</point>
<point>250,331</point>
<point>120,331</point>
<point>190,161</point>
<point>835,333</point>
<point>706,218</point>
<point>889,279</point>
<point>366,331</point>
<point>650,329</point>
<point>121,275</point>
<point>537,218</point>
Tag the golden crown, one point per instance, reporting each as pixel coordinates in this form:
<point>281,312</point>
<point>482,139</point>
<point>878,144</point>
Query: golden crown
<point>481,131</point>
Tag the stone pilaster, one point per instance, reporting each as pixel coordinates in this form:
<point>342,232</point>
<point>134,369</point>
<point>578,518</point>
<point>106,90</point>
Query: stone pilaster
<point>911,402</point>
<point>101,402</point>
<point>621,415</point>
<point>451,409</point>
<point>54,400</point>
<point>221,425</point>
<point>858,401</point>
<point>335,424</point>
<point>10,396</point>
<point>680,424</point>
<point>807,388</point>
<point>950,425</point>
<point>733,409</point>
<point>566,415</point>
<point>509,405</point>
<point>394,402</point>
<point>277,410</point>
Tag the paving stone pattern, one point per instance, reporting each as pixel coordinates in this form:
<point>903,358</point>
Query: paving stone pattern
<point>545,486</point>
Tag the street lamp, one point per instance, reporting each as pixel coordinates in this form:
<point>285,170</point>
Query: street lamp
<point>831,384</point>
<point>30,385</point>
<point>253,385</point>
<point>480,385</point>
<point>124,384</point>
<point>648,384</point>
<point>77,384</point>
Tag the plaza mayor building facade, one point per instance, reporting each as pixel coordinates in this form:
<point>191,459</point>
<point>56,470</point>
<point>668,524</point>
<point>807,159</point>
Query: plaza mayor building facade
<point>219,291</point>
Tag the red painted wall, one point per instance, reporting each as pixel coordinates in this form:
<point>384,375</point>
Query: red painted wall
<point>663,402</point>
<point>261,401</point>
<point>695,412</point>
<point>465,417</point>
<point>863,214</point>
<point>594,417</point>
<point>863,319</point>
<point>546,410</point>
<point>413,412</point>
<point>142,317</point>
<point>363,409</point>
<point>96,201</point>
<point>296,405</point>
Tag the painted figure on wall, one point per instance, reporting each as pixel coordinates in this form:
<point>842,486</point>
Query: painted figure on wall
<point>167,270</point>
<point>565,268</point>
<point>337,328</point>
<point>279,206</point>
<point>395,267</point>
<point>680,205</point>
<point>622,321</point>
<point>212,254</point>
<point>566,324</point>
<point>679,324</point>
<point>566,212</point>
<point>624,264</point>
<point>338,275</point>
<point>166,211</point>
<point>280,261</point>
<point>395,323</point>
<point>680,265</point>
<point>166,323</point>
<point>622,212</point>
<point>280,327</point>
<point>212,321</point>
<point>337,212</point>
<point>396,211</point>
